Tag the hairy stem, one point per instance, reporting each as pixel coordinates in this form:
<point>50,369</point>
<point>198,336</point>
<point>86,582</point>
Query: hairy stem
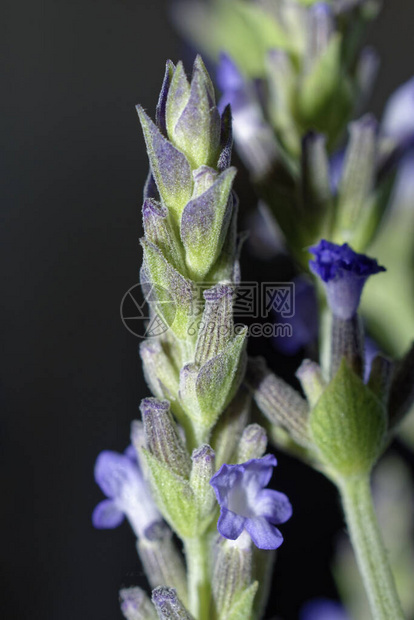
<point>369,549</point>
<point>196,552</point>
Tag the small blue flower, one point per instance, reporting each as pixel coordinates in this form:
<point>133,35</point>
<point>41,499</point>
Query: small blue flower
<point>323,609</point>
<point>246,504</point>
<point>344,273</point>
<point>120,478</point>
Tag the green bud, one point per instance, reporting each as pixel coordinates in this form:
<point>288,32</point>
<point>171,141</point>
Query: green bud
<point>217,328</point>
<point>177,98</point>
<point>311,379</point>
<point>348,425</point>
<point>279,402</point>
<point>204,223</point>
<point>229,428</point>
<point>325,95</point>
<point>162,438</point>
<point>174,497</point>
<point>232,578</point>
<point>206,391</point>
<point>168,605</point>
<point>358,176</point>
<point>201,473</point>
<point>135,605</point>
<point>197,130</point>
<point>170,167</point>
<point>160,231</point>
<point>162,562</point>
<point>174,292</point>
<point>160,371</point>
<point>253,443</point>
<point>316,193</point>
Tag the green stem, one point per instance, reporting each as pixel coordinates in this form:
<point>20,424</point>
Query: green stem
<point>369,549</point>
<point>196,553</point>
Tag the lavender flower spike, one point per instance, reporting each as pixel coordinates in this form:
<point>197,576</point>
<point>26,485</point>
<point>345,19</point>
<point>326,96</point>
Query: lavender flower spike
<point>344,273</point>
<point>246,504</point>
<point>120,478</point>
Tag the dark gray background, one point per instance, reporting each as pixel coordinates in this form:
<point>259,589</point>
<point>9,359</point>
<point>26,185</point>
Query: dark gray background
<point>73,166</point>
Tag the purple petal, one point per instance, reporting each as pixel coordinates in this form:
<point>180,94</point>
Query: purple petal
<point>259,470</point>
<point>227,477</point>
<point>398,119</point>
<point>263,534</point>
<point>162,101</point>
<point>230,525</point>
<point>274,506</point>
<point>323,609</point>
<point>107,515</point>
<point>113,471</point>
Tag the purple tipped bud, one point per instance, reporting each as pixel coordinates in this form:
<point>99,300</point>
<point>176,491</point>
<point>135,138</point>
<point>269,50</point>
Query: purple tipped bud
<point>344,273</point>
<point>162,437</point>
<point>320,29</point>
<point>160,114</point>
<point>232,571</point>
<point>253,443</point>
<point>162,562</point>
<point>202,471</point>
<point>168,605</point>
<point>135,605</point>
<point>216,323</point>
<point>279,402</point>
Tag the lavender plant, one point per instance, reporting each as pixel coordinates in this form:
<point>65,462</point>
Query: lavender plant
<point>293,76</point>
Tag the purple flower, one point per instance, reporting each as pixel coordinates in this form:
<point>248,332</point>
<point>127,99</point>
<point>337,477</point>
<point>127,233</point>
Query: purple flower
<point>120,478</point>
<point>252,134</point>
<point>344,273</point>
<point>246,504</point>
<point>398,125</point>
<point>323,609</point>
<point>398,119</point>
<point>304,322</point>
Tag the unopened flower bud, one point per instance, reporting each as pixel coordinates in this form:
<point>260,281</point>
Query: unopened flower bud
<point>203,469</point>
<point>229,428</point>
<point>311,379</point>
<point>135,605</point>
<point>162,562</point>
<point>278,401</point>
<point>232,573</point>
<point>347,342</point>
<point>253,443</point>
<point>168,605</point>
<point>161,436</point>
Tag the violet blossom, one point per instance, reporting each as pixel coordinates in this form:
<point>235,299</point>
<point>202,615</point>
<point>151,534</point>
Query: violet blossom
<point>120,478</point>
<point>343,273</point>
<point>246,505</point>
